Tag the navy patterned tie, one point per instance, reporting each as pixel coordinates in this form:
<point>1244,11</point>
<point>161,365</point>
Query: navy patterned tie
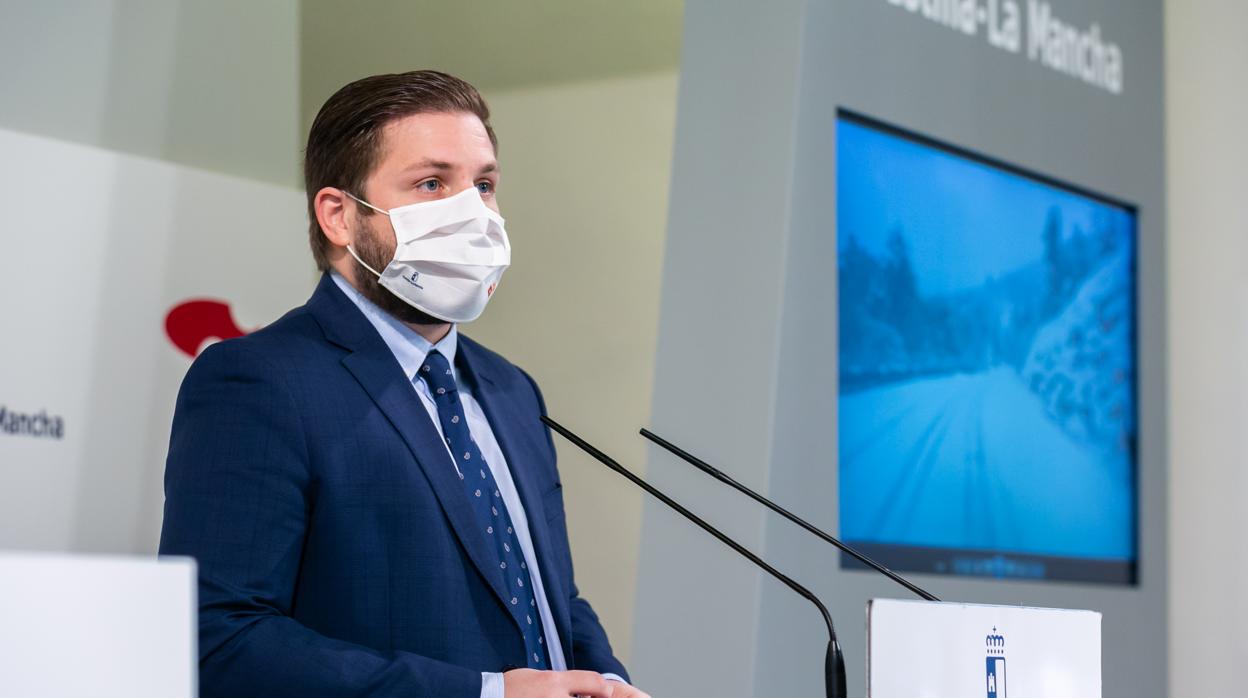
<point>487,505</point>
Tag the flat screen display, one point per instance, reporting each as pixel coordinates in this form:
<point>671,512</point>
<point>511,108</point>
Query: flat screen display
<point>987,420</point>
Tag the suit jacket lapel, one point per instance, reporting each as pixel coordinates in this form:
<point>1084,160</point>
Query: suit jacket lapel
<point>521,451</point>
<point>376,369</point>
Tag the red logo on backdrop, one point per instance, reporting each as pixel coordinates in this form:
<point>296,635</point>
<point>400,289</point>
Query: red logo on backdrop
<point>191,323</point>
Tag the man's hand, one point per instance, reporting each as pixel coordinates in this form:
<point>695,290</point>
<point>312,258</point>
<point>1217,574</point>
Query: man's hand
<point>623,690</point>
<point>531,683</point>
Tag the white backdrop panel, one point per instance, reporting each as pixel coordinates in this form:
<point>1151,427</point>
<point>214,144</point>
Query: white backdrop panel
<point>99,246</point>
<point>53,626</point>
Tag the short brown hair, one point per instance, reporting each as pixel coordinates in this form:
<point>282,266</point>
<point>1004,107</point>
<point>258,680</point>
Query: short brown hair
<point>345,138</point>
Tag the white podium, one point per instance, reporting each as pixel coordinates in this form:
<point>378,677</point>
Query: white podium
<point>106,627</point>
<point>921,649</point>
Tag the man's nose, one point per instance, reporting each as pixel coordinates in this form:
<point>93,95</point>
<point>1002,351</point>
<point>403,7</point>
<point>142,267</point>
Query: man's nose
<point>455,188</point>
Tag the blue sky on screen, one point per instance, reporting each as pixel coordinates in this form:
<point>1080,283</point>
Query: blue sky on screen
<point>963,220</point>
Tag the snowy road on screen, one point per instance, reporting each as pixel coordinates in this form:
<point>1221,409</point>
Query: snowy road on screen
<point>973,461</point>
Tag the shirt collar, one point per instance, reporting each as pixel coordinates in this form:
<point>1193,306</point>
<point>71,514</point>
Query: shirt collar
<point>408,347</point>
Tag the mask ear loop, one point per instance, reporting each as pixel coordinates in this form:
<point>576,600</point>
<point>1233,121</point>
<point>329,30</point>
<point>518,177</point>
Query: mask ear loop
<point>349,249</point>
<point>362,262</point>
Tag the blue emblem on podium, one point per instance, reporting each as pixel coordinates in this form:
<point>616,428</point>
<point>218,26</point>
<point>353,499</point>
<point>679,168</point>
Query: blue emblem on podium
<point>995,664</point>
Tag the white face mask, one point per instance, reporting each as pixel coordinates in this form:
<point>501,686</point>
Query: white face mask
<point>448,257</point>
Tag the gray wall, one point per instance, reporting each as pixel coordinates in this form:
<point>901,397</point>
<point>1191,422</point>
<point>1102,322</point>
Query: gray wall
<point>746,372</point>
<point>719,323</point>
<point>213,85</point>
<point>1207,148</point>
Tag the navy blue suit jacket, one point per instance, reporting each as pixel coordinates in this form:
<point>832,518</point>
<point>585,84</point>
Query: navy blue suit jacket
<point>337,553</point>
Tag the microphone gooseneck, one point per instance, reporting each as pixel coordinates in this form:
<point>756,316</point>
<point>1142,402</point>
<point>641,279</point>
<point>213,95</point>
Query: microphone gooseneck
<point>834,661</point>
<point>819,533</point>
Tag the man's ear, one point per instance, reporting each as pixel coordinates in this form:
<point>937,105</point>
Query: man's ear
<point>332,207</point>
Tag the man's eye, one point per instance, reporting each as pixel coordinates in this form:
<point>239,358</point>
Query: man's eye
<point>485,187</point>
<point>429,185</point>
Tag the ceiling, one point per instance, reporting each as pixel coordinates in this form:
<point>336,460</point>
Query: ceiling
<point>494,44</point>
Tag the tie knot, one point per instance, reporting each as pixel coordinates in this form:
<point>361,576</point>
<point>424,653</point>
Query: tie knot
<point>436,372</point>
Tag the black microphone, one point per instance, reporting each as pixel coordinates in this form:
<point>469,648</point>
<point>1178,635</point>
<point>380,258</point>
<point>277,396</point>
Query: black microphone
<point>834,661</point>
<point>724,478</point>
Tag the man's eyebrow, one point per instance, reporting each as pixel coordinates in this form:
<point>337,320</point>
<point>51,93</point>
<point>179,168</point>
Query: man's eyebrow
<point>429,164</point>
<point>444,166</point>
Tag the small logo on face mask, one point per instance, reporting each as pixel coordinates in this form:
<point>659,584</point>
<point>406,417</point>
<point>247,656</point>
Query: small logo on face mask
<point>412,280</point>
<point>490,291</point>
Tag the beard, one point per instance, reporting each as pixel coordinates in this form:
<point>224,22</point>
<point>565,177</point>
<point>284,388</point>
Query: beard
<point>377,249</point>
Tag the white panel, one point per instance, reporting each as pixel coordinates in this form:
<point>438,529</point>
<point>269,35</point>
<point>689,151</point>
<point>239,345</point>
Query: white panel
<point>99,246</point>
<point>97,626</point>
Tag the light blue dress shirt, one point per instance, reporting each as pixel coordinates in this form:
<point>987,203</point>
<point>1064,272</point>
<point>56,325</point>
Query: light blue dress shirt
<point>410,349</point>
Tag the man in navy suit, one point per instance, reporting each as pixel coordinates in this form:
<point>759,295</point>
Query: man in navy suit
<point>371,497</point>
